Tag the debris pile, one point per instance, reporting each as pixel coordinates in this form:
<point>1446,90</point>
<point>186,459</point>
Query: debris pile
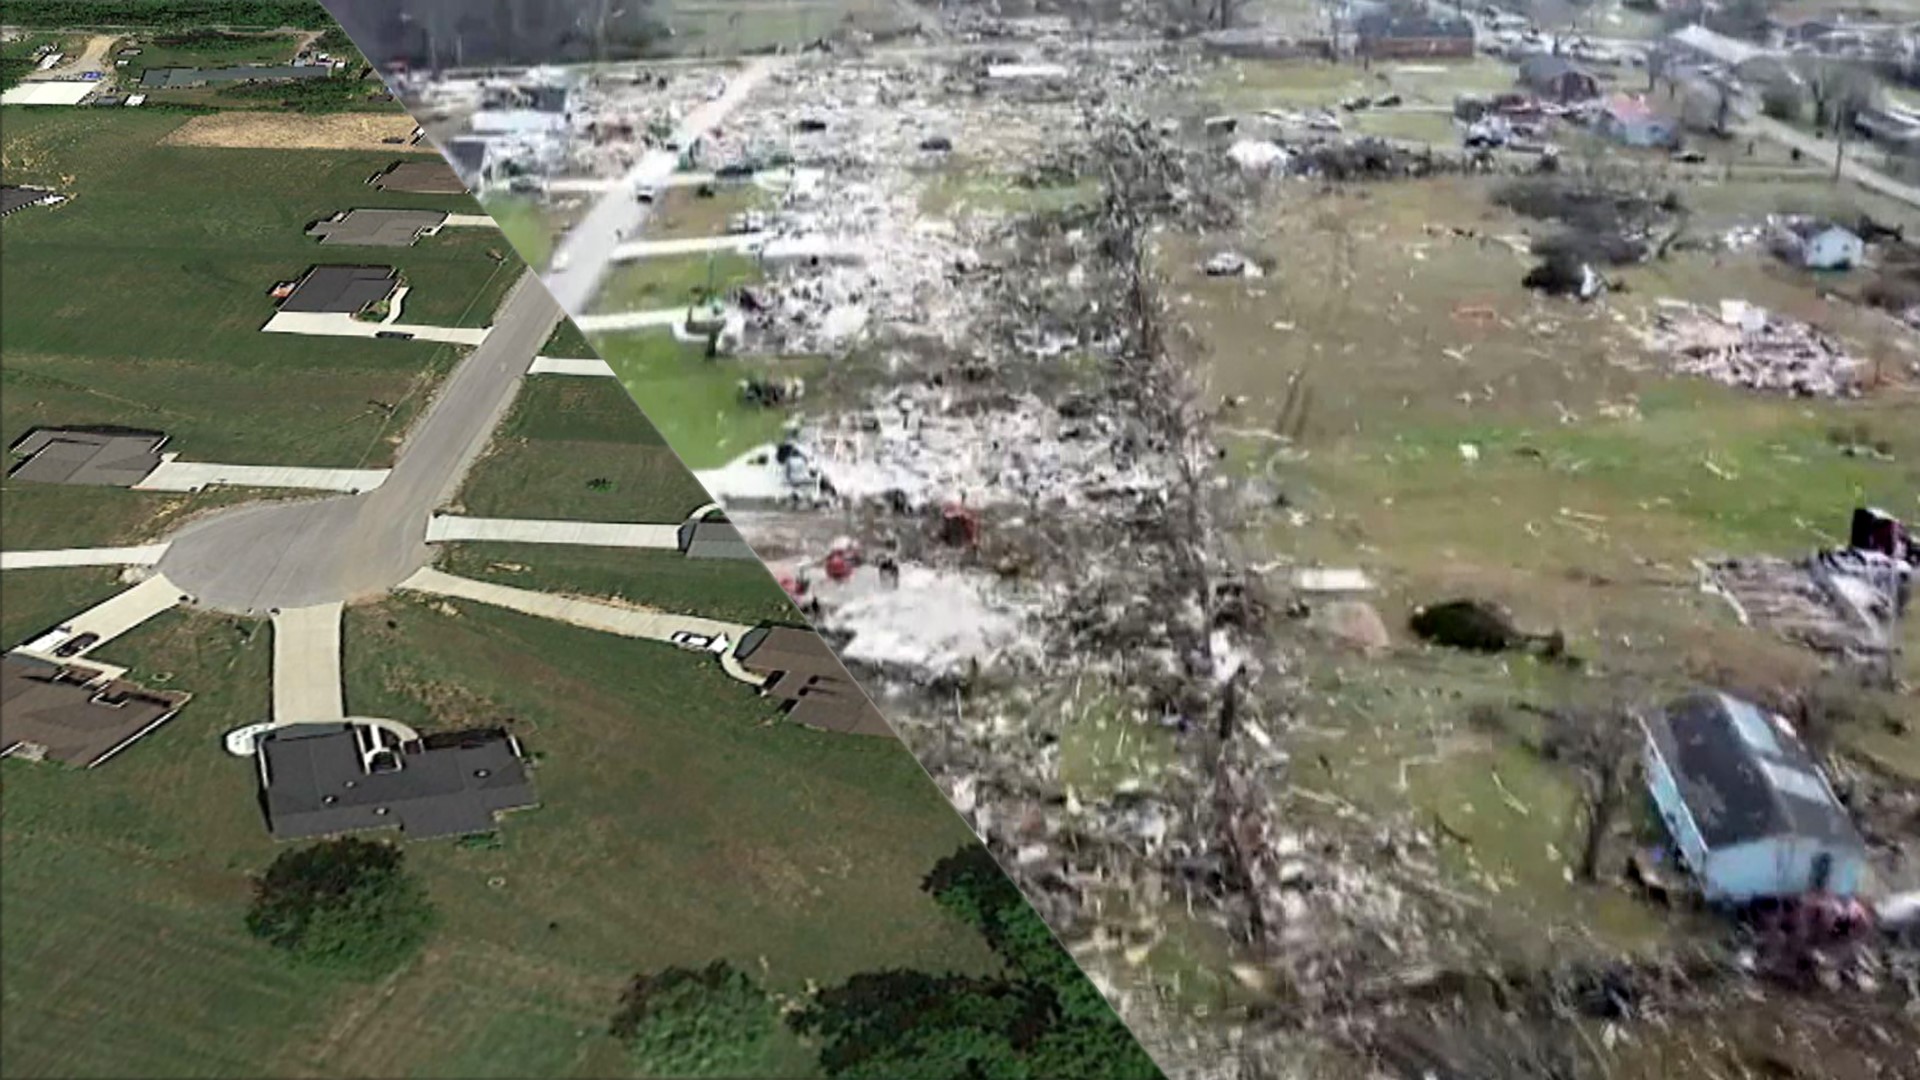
<point>1747,346</point>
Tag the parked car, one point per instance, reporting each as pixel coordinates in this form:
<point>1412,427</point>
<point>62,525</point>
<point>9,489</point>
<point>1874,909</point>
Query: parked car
<point>76,645</point>
<point>693,642</point>
<point>398,335</point>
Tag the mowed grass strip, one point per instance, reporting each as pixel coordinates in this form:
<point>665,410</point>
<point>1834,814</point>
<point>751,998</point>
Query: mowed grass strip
<point>672,280</point>
<point>739,590</point>
<point>694,400</point>
<point>36,600</point>
<point>575,448</point>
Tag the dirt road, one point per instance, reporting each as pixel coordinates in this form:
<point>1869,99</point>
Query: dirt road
<point>96,57</point>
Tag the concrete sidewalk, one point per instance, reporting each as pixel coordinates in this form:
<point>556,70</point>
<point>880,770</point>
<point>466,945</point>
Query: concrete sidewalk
<point>557,365</point>
<point>471,221</point>
<point>110,618</point>
<point>337,324</point>
<point>144,555</point>
<point>631,320</point>
<point>634,622</point>
<point>306,666</point>
<point>448,528</point>
<point>174,475</point>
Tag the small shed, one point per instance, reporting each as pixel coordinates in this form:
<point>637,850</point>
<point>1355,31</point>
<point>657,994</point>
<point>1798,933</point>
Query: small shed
<point>1745,804</point>
<point>1556,78</point>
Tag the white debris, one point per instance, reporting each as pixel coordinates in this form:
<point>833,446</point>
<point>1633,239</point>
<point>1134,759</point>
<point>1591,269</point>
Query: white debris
<point>1259,156</point>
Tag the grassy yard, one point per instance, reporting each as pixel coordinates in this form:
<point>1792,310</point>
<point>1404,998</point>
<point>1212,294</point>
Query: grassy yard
<point>568,341</point>
<point>739,590</point>
<point>674,827</point>
<point>38,599</point>
<point>694,401</point>
<point>526,226</point>
<point>204,49</point>
<point>672,281</point>
<point>135,304</point>
<point>577,448</point>
<point>682,212</point>
<point>1592,481</point>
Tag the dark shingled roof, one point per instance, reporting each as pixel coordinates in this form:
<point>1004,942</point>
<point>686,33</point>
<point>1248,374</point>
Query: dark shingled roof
<point>1744,775</point>
<point>120,457</point>
<point>803,670</point>
<point>183,78</point>
<point>318,783</point>
<point>74,714</point>
<point>376,228</point>
<point>424,177</point>
<point>343,289</point>
<point>15,197</point>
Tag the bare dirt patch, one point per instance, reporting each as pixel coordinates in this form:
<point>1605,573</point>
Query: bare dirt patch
<point>295,131</point>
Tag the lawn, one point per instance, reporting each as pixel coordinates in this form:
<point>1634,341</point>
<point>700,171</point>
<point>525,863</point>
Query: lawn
<point>526,226</point>
<point>134,304</point>
<point>672,281</point>
<point>1590,482</point>
<point>673,828</point>
<point>682,212</point>
<point>577,448</point>
<point>204,49</point>
<point>737,590</point>
<point>35,600</point>
<point>693,401</point>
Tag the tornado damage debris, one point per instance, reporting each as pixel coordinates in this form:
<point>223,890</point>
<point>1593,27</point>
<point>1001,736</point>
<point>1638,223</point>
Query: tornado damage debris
<point>1344,502</point>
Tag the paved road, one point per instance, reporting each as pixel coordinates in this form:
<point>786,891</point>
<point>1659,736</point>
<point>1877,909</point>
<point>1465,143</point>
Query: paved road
<point>1823,151</point>
<point>588,249</point>
<point>254,559</point>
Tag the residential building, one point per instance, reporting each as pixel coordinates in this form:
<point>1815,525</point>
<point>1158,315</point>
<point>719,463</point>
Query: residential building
<point>1745,804</point>
<point>713,537</point>
<point>1556,78</point>
<point>75,715</point>
<point>105,456</point>
<point>347,290</point>
<point>16,197</point>
<point>433,177</point>
<point>377,228</point>
<point>327,779</point>
<point>802,670</point>
<point>190,78</point>
<point>1411,31</point>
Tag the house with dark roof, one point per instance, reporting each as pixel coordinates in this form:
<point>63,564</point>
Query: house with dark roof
<point>377,228</point>
<point>800,668</point>
<point>75,715</point>
<point>346,290</point>
<point>187,78</point>
<point>14,197</point>
<point>106,456</point>
<point>713,537</point>
<point>1556,78</point>
<point>1746,805</point>
<point>1399,31</point>
<point>433,177</point>
<point>327,779</point>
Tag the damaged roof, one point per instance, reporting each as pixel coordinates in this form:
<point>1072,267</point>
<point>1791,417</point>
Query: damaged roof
<point>1745,775</point>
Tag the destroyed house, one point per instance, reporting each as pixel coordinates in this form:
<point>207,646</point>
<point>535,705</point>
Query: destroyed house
<point>327,779</point>
<point>377,228</point>
<point>800,668</point>
<point>713,538</point>
<point>1812,244</point>
<point>106,456</point>
<point>1633,122</point>
<point>1556,78</point>
<point>346,290</point>
<point>1745,804</point>
<point>73,714</point>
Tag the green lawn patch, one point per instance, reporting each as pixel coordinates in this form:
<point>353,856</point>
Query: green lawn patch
<point>737,590</point>
<point>576,448</point>
<point>204,48</point>
<point>684,213</point>
<point>695,401</point>
<point>35,600</point>
<point>526,225</point>
<point>671,281</point>
<point>567,341</point>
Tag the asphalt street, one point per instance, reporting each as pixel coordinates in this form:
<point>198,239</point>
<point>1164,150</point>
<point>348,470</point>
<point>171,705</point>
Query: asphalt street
<point>254,559</point>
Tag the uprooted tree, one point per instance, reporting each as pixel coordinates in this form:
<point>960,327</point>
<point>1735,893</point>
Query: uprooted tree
<point>348,905</point>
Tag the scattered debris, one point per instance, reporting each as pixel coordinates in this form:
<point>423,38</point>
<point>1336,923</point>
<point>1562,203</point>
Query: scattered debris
<point>1747,346</point>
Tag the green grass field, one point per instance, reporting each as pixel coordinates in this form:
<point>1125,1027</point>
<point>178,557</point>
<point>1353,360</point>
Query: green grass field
<point>739,590</point>
<point>204,49</point>
<point>39,599</point>
<point>672,281</point>
<point>694,401</point>
<point>577,448</point>
<point>675,826</point>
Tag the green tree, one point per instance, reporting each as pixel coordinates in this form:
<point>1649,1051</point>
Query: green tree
<point>1039,1019</point>
<point>348,905</point>
<point>711,1022</point>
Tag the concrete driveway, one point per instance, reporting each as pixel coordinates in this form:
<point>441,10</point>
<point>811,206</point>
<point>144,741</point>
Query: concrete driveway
<point>285,555</point>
